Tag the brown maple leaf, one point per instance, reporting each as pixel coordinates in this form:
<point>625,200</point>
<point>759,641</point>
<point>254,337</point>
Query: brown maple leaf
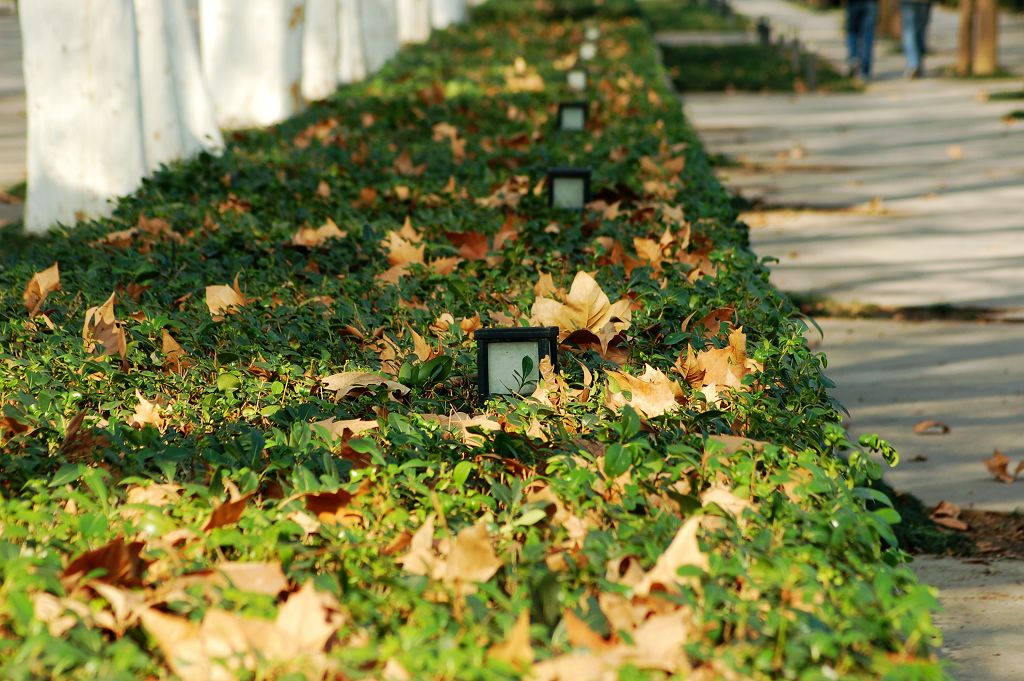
<point>651,394</point>
<point>119,562</point>
<point>307,237</point>
<point>39,286</point>
<point>102,328</point>
<point>223,300</point>
<point>227,513</point>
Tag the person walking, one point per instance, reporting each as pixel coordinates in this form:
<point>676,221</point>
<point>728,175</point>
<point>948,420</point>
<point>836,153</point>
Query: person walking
<point>861,16</point>
<point>914,16</point>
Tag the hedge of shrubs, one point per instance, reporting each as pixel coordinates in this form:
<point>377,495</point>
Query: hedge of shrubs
<point>241,437</point>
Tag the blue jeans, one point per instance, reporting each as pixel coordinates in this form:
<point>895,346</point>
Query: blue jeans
<point>914,19</point>
<point>860,33</point>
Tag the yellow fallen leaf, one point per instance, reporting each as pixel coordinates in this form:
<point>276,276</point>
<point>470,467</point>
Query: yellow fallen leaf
<point>585,307</point>
<point>347,382</point>
<point>39,286</point>
<point>223,300</point>
<point>651,394</point>
<point>683,551</point>
<point>307,237</point>
<point>515,649</point>
<point>102,328</point>
<point>147,414</point>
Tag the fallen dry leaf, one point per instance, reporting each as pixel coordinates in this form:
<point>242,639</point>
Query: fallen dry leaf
<point>224,644</point>
<point>999,466</point>
<point>120,563</point>
<point>175,357</point>
<point>39,286</point>
<point>472,557</point>
<point>460,562</point>
<point>102,328</point>
<point>651,394</point>
<point>355,382</point>
<point>718,368</point>
<point>931,428</point>
<point>223,300</point>
<point>461,422</point>
<point>683,551</point>
<point>515,649</point>
<point>345,428</point>
<point>947,514</point>
<point>585,307</point>
<point>147,414</point>
<point>227,513</point>
<point>307,237</point>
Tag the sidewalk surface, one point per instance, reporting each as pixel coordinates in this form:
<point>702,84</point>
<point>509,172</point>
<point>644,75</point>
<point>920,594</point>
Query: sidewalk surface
<point>910,194</point>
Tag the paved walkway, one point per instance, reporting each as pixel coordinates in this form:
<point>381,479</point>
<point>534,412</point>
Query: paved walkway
<point>908,195</point>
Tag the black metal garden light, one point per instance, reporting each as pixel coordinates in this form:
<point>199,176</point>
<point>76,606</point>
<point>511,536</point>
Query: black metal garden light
<point>568,188</point>
<point>572,116</point>
<point>508,359</point>
<point>576,79</point>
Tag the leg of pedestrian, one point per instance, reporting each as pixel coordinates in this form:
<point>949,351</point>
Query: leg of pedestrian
<point>868,36</point>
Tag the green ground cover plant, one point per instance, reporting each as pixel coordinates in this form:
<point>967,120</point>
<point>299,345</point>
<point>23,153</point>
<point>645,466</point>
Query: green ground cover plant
<point>240,437</point>
<point>753,68</point>
<point>689,15</point>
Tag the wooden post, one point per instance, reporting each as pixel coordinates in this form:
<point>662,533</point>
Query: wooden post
<point>965,39</point>
<point>985,51</point>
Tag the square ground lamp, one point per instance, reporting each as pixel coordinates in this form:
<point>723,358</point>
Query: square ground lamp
<point>588,51</point>
<point>576,79</point>
<point>569,188</point>
<point>572,116</point>
<point>508,359</point>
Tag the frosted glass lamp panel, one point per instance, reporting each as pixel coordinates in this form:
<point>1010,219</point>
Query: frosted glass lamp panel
<point>505,368</point>
<point>569,192</point>
<point>577,80</point>
<point>592,33</point>
<point>588,51</point>
<point>573,118</point>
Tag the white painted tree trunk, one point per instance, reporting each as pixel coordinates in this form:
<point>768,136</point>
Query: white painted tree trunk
<point>380,32</point>
<point>413,20</point>
<point>444,13</point>
<point>351,55</point>
<point>320,49</point>
<point>252,58</point>
<point>177,114</point>
<point>84,108</point>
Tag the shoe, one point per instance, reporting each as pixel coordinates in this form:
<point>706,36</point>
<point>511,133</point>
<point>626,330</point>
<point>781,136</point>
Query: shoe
<point>852,68</point>
<point>913,73</point>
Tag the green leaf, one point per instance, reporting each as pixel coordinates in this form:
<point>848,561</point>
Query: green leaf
<point>617,460</point>
<point>530,517</point>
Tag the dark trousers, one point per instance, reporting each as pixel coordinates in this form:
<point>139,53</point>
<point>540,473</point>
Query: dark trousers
<point>860,34</point>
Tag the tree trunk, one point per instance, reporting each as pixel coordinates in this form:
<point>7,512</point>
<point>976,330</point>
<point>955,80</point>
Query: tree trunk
<point>413,20</point>
<point>320,49</point>
<point>252,57</point>
<point>889,18</point>
<point>986,61</point>
<point>84,108</point>
<point>177,113</point>
<point>965,39</point>
<point>444,13</point>
<point>379,19</point>
<point>351,55</point>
